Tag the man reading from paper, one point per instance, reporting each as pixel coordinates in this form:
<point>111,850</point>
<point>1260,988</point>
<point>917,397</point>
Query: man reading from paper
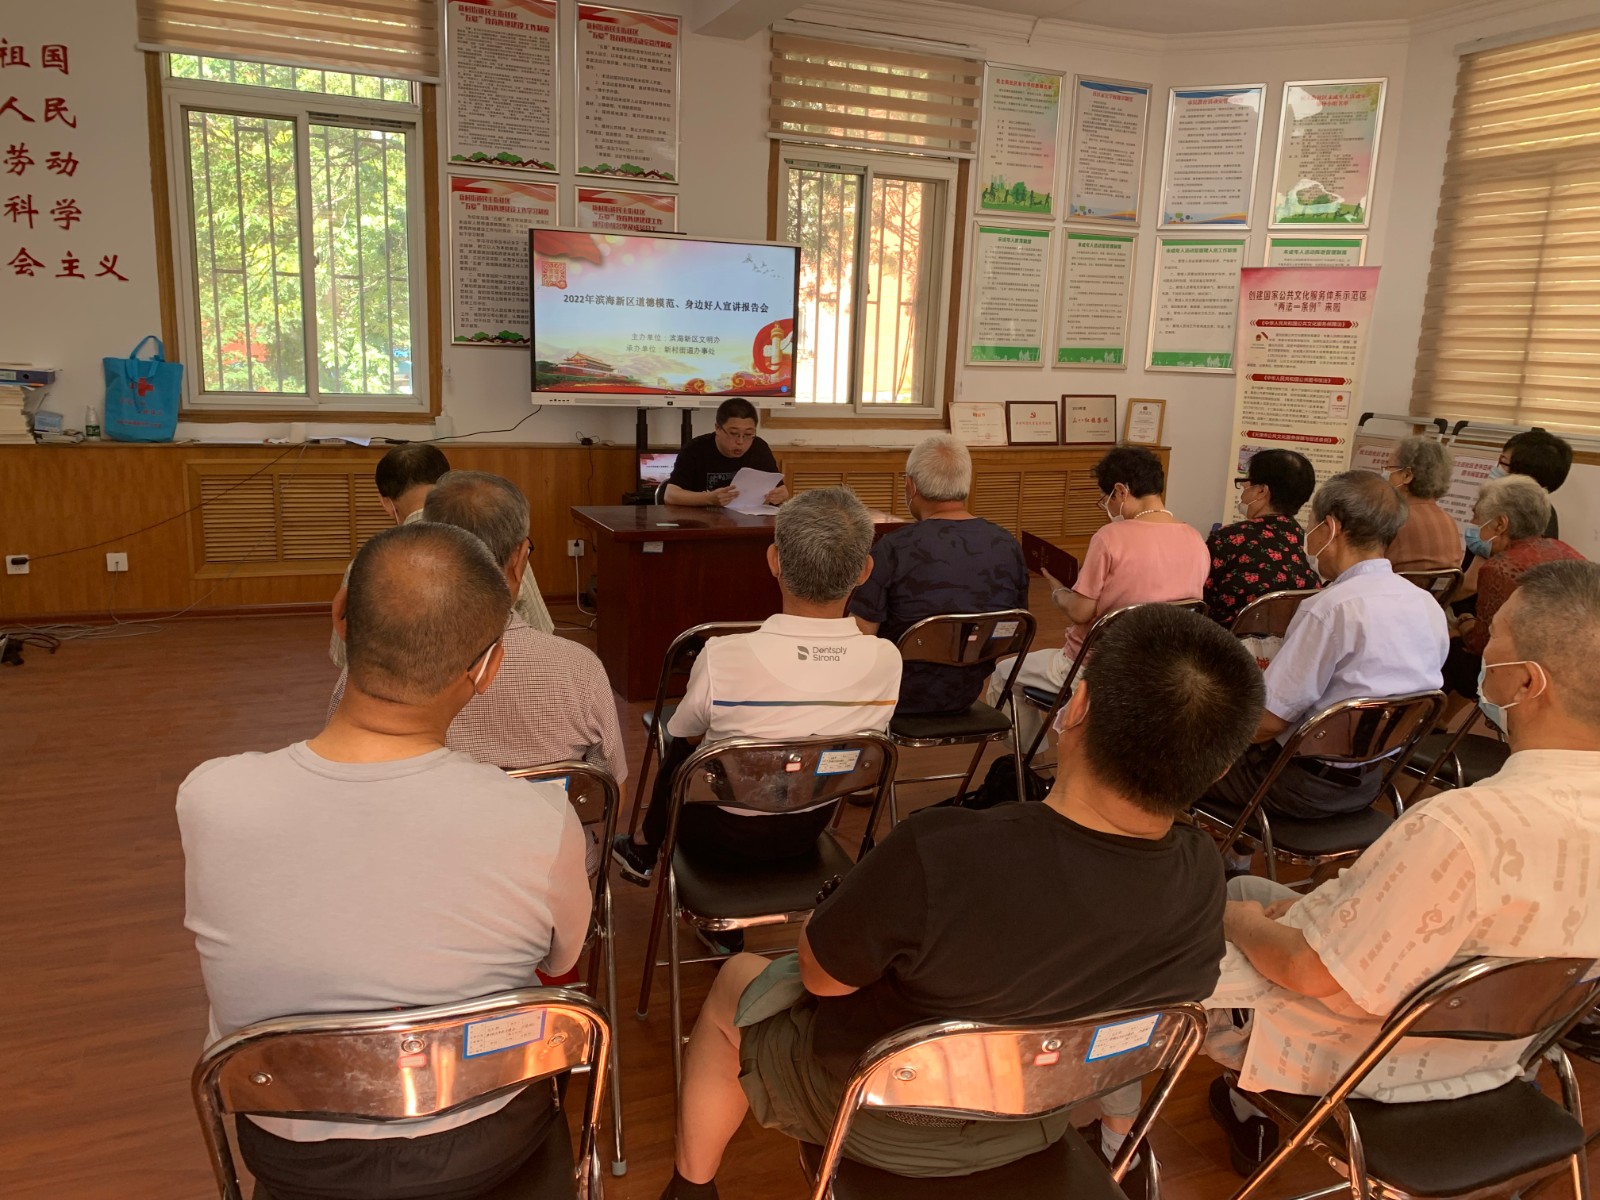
<point>703,476</point>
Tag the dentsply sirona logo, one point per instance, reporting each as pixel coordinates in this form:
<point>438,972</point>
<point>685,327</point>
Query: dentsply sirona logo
<point>802,653</point>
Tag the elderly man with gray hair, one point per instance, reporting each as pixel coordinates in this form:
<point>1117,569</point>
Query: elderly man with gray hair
<point>1420,468</point>
<point>949,561</point>
<point>1367,633</point>
<point>808,671</point>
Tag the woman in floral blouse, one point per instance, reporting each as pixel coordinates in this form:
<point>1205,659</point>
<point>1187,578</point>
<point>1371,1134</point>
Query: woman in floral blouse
<point>1263,552</point>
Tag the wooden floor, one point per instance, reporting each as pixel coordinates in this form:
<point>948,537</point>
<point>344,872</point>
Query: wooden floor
<point>101,1004</point>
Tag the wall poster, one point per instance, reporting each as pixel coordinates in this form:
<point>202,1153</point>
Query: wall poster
<point>1329,251</point>
<point>1010,270</point>
<point>1195,303</point>
<point>500,67</point>
<point>1017,154</point>
<point>1301,349</point>
<point>1327,152</point>
<point>628,94</point>
<point>1106,155</point>
<point>625,211</point>
<point>1208,173</point>
<point>1096,291</point>
<point>489,223</point>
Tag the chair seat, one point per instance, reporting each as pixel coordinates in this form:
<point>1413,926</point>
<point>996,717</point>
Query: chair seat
<point>1480,757</point>
<point>1337,834</point>
<point>979,721</point>
<point>714,890</point>
<point>1066,1169</point>
<point>1453,1147</point>
<point>1039,697</point>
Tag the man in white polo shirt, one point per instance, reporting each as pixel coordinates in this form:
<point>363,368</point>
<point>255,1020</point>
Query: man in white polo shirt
<point>808,671</point>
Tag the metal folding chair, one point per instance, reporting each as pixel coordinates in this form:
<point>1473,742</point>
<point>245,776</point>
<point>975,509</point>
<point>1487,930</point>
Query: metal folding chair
<point>974,1071</point>
<point>1053,702</point>
<point>1351,733</point>
<point>1268,615</point>
<point>1442,585</point>
<point>964,640</point>
<point>675,667</point>
<point>1458,759</point>
<point>1496,1142</point>
<point>595,797</point>
<point>394,1067</point>
<point>758,777</point>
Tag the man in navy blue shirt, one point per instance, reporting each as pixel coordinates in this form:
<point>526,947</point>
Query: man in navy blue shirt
<point>949,561</point>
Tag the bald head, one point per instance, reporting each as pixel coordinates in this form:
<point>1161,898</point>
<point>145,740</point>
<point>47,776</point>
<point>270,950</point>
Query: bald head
<point>424,602</point>
<point>491,508</point>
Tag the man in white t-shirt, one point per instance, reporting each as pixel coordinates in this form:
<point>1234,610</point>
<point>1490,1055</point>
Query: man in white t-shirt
<point>372,868</point>
<point>1509,867</point>
<point>808,671</point>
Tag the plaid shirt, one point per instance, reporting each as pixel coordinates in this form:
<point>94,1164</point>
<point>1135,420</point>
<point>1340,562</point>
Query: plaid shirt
<point>550,701</point>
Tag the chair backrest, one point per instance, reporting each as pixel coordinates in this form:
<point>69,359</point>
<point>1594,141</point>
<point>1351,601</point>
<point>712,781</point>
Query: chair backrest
<point>1364,730</point>
<point>685,648</point>
<point>399,1065</point>
<point>994,1072</point>
<point>786,776</point>
<point>1269,615</point>
<point>968,639</point>
<point>596,799</point>
<point>1441,584</point>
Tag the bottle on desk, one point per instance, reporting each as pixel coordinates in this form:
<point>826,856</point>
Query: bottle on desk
<point>91,422</point>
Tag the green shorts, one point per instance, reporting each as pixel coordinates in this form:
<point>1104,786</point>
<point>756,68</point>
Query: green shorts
<point>793,1093</point>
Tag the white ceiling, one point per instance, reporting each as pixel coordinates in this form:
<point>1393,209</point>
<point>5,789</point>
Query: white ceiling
<point>1211,16</point>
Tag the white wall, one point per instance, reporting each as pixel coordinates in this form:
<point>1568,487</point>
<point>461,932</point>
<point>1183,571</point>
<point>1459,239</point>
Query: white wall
<point>72,324</point>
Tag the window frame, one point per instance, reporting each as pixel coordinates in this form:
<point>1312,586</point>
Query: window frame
<point>891,163</point>
<point>171,100</point>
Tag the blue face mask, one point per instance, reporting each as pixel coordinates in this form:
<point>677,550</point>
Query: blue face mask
<point>1497,712</point>
<point>1498,472</point>
<point>1475,542</point>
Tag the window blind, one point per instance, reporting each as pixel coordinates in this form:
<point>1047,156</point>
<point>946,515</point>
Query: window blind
<point>823,90</point>
<point>378,37</point>
<point>1511,324</point>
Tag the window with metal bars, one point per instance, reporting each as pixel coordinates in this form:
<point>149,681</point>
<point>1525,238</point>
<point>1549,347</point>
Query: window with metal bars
<point>297,213</point>
<point>875,232</point>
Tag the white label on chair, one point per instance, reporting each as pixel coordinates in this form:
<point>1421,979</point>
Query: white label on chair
<point>837,762</point>
<point>1111,1040</point>
<point>502,1033</point>
<point>1005,629</point>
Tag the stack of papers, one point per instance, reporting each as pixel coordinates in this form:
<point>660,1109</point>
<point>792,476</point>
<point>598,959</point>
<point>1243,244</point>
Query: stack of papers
<point>13,424</point>
<point>753,486</point>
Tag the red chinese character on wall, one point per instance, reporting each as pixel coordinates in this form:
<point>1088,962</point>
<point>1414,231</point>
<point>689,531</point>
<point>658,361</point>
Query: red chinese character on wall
<point>12,56</point>
<point>70,263</point>
<point>108,266</point>
<point>18,207</point>
<point>53,57</point>
<point>55,109</point>
<point>11,106</point>
<point>61,164</point>
<point>17,159</point>
<point>23,263</point>
<point>66,213</point>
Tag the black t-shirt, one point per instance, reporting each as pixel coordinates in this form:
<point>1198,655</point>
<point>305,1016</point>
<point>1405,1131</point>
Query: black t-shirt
<point>701,467</point>
<point>940,566</point>
<point>1013,914</point>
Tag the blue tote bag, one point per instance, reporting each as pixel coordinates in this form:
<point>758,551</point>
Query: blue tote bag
<point>142,396</point>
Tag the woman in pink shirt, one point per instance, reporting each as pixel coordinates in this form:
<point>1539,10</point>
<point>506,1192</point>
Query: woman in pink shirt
<point>1145,554</point>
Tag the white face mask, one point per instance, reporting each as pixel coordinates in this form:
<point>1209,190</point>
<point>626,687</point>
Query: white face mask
<point>1311,559</point>
<point>1244,506</point>
<point>1105,507</point>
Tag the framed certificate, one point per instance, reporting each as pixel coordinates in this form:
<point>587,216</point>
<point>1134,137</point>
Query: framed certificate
<point>1033,423</point>
<point>1089,419</point>
<point>978,424</point>
<point>1141,424</point>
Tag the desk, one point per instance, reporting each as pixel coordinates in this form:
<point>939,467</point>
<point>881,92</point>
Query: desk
<point>665,568</point>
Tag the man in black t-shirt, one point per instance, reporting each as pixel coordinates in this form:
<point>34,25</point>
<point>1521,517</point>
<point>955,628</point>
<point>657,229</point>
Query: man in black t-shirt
<point>1094,900</point>
<point>703,476</point>
<point>949,561</point>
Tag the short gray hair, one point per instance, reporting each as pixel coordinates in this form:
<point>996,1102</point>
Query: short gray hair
<point>483,504</point>
<point>1367,507</point>
<point>941,468</point>
<point>1557,625</point>
<point>824,537</point>
<point>1524,504</point>
<point>1430,465</point>
<point>424,601</point>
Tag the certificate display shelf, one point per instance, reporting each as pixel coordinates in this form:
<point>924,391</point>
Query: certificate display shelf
<point>1047,490</point>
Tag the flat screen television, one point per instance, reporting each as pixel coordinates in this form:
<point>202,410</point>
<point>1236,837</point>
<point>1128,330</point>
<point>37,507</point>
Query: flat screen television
<point>650,319</point>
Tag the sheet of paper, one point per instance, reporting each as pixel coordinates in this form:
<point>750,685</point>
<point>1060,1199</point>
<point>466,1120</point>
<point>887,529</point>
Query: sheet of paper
<point>753,487</point>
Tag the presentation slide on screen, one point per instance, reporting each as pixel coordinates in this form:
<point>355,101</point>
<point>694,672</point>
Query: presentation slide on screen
<point>627,314</point>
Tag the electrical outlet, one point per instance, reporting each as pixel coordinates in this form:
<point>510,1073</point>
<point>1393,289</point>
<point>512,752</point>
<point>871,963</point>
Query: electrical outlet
<point>575,548</point>
<point>116,562</point>
<point>16,564</point>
